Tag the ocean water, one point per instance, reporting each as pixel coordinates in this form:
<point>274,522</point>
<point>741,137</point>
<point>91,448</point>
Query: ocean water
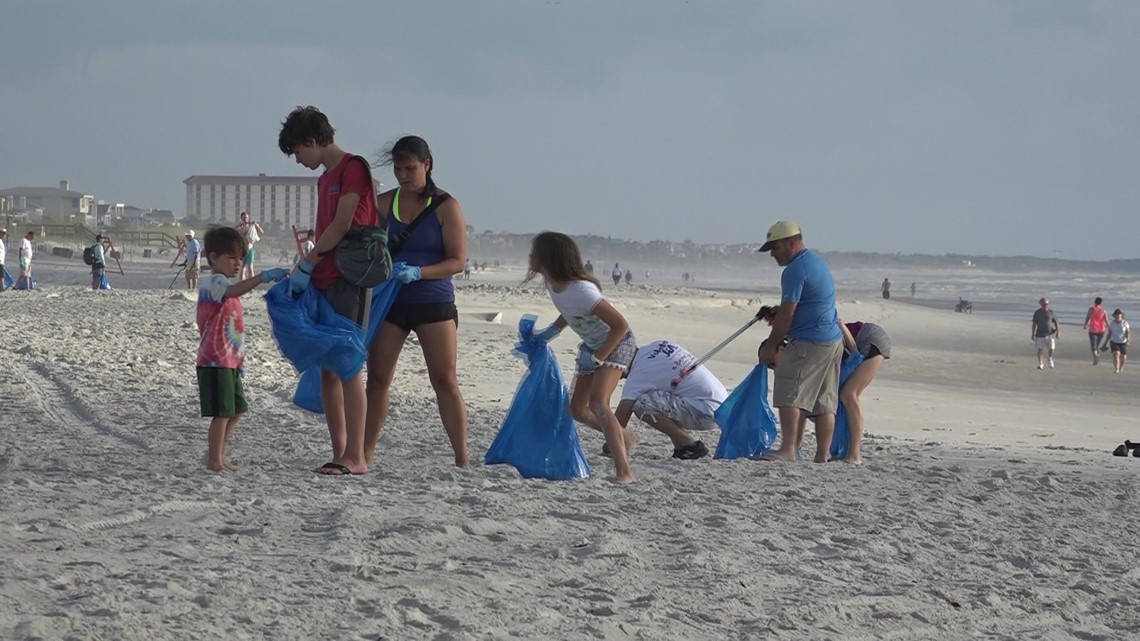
<point>997,294</point>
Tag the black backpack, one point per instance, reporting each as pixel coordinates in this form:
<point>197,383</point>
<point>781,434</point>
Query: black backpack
<point>89,255</point>
<point>362,256</point>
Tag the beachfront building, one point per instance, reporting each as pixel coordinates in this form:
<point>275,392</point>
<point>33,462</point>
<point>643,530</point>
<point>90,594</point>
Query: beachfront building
<point>277,202</point>
<point>53,204</point>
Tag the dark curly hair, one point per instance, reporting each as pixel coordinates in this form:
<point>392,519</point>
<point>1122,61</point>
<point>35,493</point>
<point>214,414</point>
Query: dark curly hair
<point>302,125</point>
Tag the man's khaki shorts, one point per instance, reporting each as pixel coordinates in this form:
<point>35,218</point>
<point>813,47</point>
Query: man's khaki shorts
<point>808,377</point>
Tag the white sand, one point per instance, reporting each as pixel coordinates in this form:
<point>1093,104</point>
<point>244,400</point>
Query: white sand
<point>989,506</point>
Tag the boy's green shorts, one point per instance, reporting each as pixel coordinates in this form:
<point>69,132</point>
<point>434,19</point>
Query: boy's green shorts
<point>220,392</point>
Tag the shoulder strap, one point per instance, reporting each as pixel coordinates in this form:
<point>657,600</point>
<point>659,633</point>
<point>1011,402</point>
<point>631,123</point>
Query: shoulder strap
<point>372,184</point>
<point>397,242</point>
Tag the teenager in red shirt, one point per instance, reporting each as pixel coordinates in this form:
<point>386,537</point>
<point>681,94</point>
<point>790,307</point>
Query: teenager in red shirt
<point>345,196</point>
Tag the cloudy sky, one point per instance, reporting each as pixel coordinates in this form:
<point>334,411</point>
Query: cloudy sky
<point>983,127</point>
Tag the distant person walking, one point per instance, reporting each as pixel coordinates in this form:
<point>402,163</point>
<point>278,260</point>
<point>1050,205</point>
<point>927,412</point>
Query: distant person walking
<point>628,277</point>
<point>1096,322</point>
<point>193,260</point>
<point>1119,335</point>
<point>1045,333</point>
<point>887,288</point>
<point>589,268</point>
<point>616,274</point>
<point>3,255</point>
<point>27,250</point>
<point>252,232</point>
<point>913,289</point>
<point>467,269</point>
<point>99,263</point>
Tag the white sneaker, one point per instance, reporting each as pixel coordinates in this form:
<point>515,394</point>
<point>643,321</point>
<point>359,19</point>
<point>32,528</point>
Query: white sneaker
<point>1039,366</point>
<point>1050,363</point>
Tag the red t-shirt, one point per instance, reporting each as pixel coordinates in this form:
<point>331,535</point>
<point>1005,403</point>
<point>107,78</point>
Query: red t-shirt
<point>349,176</point>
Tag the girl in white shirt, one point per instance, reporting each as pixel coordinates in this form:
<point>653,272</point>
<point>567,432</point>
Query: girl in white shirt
<point>1119,335</point>
<point>607,348</point>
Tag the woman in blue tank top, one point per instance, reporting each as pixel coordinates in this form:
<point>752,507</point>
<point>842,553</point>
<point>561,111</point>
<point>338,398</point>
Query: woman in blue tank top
<point>434,252</point>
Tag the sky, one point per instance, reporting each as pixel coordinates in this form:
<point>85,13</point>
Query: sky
<point>974,127</point>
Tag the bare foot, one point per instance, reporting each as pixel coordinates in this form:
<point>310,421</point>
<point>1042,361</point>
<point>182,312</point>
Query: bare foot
<point>219,466</point>
<point>778,456</point>
<point>463,462</point>
<point>624,479</point>
<point>628,437</point>
<point>853,460</point>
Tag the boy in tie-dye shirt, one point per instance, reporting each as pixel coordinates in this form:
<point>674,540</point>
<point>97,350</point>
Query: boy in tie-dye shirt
<point>221,353</point>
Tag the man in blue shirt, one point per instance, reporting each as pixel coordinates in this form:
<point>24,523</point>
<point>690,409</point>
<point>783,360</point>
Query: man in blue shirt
<point>807,375</point>
<point>193,261</point>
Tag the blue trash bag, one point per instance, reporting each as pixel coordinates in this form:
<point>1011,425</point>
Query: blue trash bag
<point>310,333</point>
<point>840,440</point>
<point>538,436</point>
<point>28,283</point>
<point>105,284</point>
<point>308,394</point>
<point>8,280</point>
<point>747,424</point>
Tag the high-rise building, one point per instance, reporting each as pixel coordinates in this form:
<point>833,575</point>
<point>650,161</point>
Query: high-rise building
<point>277,202</point>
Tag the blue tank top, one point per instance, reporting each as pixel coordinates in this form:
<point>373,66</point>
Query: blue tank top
<point>423,247</point>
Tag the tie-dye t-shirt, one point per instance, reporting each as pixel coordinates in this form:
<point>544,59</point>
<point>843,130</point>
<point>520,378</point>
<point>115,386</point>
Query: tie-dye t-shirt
<point>221,326</point>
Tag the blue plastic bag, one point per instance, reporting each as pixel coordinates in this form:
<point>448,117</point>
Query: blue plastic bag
<point>105,284</point>
<point>747,424</point>
<point>538,436</point>
<point>308,394</point>
<point>840,440</point>
<point>311,334</point>
<point>27,283</point>
<point>8,280</point>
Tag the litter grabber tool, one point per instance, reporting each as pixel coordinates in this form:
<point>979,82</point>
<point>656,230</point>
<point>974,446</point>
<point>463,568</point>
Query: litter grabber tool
<point>767,312</point>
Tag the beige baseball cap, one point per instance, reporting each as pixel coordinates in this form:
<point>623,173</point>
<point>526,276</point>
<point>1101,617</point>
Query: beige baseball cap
<point>781,230</point>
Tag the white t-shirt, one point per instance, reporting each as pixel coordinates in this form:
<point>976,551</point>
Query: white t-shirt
<point>251,235</point>
<point>26,249</point>
<point>3,251</point>
<point>576,303</point>
<point>1116,330</point>
<point>658,364</point>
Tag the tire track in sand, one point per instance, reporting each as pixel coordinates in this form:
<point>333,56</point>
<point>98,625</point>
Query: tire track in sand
<point>60,404</point>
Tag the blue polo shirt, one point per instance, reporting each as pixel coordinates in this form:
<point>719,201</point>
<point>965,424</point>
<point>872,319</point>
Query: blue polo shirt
<point>807,282</point>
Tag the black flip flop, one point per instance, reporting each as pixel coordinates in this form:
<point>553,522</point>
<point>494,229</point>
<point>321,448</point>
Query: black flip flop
<point>342,470</point>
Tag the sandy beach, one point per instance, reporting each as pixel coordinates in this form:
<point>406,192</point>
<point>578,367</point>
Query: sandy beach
<point>989,505</point>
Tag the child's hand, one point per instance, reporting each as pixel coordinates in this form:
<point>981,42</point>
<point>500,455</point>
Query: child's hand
<point>588,362</point>
<point>274,274</point>
<point>548,334</point>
